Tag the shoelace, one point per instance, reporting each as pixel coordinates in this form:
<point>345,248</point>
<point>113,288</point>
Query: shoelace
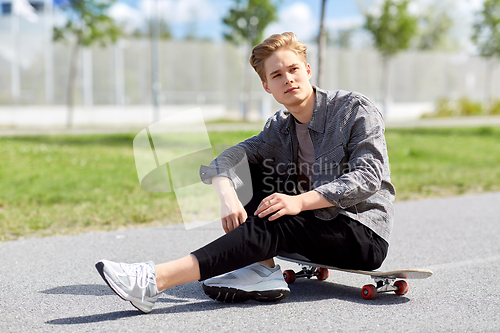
<point>141,272</point>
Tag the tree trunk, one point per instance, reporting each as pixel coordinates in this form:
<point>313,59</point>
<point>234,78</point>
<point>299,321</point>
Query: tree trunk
<point>247,86</point>
<point>385,85</point>
<point>321,46</point>
<point>70,92</point>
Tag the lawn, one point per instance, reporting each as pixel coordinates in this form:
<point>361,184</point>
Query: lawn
<point>443,162</point>
<point>52,185</point>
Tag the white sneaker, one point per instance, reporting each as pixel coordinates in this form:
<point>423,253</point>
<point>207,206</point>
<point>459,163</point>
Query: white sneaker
<point>257,282</point>
<point>132,282</point>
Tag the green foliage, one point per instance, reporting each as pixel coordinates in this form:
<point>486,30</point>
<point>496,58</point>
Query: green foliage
<point>495,108</point>
<point>487,29</point>
<point>247,20</point>
<point>89,23</point>
<point>434,28</point>
<point>444,108</point>
<point>462,107</point>
<point>468,107</point>
<point>165,31</point>
<point>393,29</point>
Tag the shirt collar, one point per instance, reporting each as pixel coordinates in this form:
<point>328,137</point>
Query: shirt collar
<point>317,122</point>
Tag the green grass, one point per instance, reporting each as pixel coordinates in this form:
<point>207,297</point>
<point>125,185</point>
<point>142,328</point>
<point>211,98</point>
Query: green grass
<point>441,162</point>
<point>52,185</point>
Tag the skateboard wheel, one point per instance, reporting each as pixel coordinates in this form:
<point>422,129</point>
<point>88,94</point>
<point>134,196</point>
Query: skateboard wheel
<point>289,276</point>
<point>369,291</point>
<point>323,273</point>
<point>402,286</point>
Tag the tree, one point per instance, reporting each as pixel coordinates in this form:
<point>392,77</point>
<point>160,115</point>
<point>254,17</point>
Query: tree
<point>434,27</point>
<point>342,38</point>
<point>392,31</point>
<point>87,23</point>
<point>246,22</point>
<point>248,19</point>
<point>487,38</point>
<point>146,32</point>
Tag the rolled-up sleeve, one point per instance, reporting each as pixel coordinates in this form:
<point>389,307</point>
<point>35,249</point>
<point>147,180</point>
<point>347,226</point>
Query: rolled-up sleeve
<point>226,163</point>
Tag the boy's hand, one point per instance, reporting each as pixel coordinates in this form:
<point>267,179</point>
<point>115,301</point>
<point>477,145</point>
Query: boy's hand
<point>279,204</point>
<point>232,212</point>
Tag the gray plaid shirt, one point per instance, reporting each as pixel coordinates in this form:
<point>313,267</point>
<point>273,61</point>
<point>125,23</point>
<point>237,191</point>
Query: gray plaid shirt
<point>352,166</point>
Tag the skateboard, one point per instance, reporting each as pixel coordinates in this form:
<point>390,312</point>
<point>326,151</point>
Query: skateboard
<point>385,281</point>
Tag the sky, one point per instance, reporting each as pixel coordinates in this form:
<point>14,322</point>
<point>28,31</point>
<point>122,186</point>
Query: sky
<point>204,17</point>
<point>300,16</point>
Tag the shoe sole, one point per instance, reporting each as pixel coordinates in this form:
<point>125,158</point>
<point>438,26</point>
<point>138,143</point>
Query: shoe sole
<point>100,268</point>
<point>232,295</point>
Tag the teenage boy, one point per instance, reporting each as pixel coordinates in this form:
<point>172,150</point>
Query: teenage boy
<point>321,188</point>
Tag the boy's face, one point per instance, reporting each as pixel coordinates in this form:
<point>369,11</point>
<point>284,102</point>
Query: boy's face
<point>287,78</point>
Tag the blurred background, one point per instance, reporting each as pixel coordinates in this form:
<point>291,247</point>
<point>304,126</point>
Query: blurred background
<point>126,62</point>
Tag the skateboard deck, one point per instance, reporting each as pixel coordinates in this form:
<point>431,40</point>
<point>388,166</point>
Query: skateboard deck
<point>385,281</point>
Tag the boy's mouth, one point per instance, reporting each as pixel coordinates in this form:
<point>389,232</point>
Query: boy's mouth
<point>291,89</point>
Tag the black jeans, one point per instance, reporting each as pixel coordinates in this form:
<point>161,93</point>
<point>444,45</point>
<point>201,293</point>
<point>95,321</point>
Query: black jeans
<point>341,242</point>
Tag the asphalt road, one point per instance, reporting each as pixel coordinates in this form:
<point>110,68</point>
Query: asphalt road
<point>50,284</point>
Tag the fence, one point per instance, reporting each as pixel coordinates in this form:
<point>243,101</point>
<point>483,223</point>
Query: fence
<point>213,73</point>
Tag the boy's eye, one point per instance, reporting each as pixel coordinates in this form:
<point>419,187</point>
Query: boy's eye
<point>275,76</point>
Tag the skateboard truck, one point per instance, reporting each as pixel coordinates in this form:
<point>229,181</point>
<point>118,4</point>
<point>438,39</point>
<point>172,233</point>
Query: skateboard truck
<point>308,272</point>
<point>384,285</point>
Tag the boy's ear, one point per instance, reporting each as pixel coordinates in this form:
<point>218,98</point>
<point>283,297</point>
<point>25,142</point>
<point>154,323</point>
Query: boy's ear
<point>309,71</point>
<point>266,87</point>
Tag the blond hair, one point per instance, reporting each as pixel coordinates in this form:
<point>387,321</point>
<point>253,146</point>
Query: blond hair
<point>264,50</point>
